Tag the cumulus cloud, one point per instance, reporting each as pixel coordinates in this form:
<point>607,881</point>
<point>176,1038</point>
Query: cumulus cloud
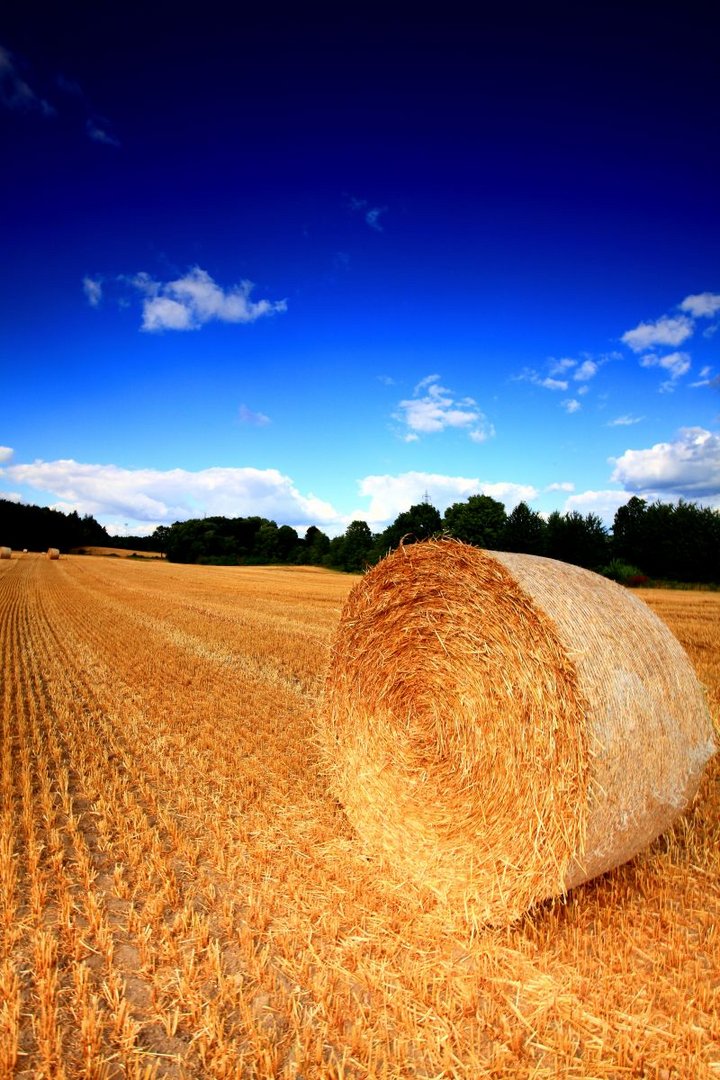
<point>195,299</point>
<point>571,405</point>
<point>391,495</point>
<point>668,330</point>
<point>6,454</point>
<point>702,305</point>
<point>92,287</point>
<point>153,496</point>
<point>14,91</point>
<point>688,466</point>
<point>602,503</point>
<point>433,408</point>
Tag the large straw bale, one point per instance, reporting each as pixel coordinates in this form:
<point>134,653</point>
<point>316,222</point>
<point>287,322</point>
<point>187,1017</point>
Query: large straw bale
<point>53,553</point>
<point>502,727</point>
<point>5,553</point>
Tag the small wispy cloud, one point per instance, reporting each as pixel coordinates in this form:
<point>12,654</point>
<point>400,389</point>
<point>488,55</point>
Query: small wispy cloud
<point>92,287</point>
<point>6,453</point>
<point>562,485</point>
<point>625,421</point>
<point>371,214</point>
<point>254,419</point>
<point>189,302</point>
<point>548,382</point>
<point>676,364</point>
<point>560,374</point>
<point>17,94</point>
<point>100,134</point>
<point>433,408</point>
<point>571,405</point>
<point>707,379</point>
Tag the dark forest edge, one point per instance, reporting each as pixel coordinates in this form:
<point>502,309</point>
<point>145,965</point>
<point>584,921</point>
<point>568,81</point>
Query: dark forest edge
<point>649,542</point>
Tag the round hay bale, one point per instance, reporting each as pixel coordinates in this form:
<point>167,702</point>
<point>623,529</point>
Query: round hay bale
<point>502,727</point>
<point>53,553</point>
<point>5,553</point>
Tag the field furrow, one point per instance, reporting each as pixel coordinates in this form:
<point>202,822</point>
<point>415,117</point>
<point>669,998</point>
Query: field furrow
<point>180,896</point>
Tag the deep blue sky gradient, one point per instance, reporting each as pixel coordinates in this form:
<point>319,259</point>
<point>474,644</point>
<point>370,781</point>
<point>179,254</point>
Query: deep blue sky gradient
<point>471,197</point>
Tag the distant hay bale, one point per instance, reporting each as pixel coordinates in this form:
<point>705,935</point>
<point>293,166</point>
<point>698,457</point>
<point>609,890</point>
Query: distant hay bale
<point>53,553</point>
<point>502,727</point>
<point>5,553</point>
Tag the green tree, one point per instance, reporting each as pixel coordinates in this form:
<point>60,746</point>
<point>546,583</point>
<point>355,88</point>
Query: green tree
<point>576,539</point>
<point>629,541</point>
<point>524,531</point>
<point>315,546</point>
<point>352,550</point>
<point>420,522</point>
<point>480,521</point>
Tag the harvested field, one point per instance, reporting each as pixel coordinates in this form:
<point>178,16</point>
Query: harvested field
<point>181,897</point>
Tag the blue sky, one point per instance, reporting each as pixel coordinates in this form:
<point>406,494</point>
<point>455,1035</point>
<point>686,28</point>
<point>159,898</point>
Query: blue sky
<point>314,266</point>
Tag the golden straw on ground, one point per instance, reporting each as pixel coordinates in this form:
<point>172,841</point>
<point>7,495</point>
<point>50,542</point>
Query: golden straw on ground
<point>502,727</point>
<point>5,553</point>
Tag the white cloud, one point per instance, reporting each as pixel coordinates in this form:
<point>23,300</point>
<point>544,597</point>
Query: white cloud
<point>563,485</point>
<point>370,213</point>
<point>195,299</point>
<point>548,382</point>
<point>625,421</point>
<point>587,370</point>
<point>688,466</point>
<point>702,304</point>
<point>255,419</point>
<point>571,405</point>
<point>602,503</point>
<point>11,496</point>
<point>707,378</point>
<point>668,330</point>
<point>391,495</point>
<point>92,287</point>
<point>100,134</point>
<point>6,453</point>
<point>561,367</point>
<point>433,409</point>
<point>677,363</point>
<point>111,493</point>
<point>15,92</point>
<point>372,217</point>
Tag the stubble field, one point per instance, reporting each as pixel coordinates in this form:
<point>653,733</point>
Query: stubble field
<point>181,897</point>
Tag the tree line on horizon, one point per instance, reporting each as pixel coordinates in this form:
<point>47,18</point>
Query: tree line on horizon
<point>658,541</point>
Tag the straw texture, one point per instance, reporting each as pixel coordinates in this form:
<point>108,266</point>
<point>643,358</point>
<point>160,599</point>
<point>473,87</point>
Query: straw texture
<point>53,553</point>
<point>5,553</point>
<point>502,727</point>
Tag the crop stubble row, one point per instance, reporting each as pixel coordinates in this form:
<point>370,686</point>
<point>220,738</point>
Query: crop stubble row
<point>180,896</point>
